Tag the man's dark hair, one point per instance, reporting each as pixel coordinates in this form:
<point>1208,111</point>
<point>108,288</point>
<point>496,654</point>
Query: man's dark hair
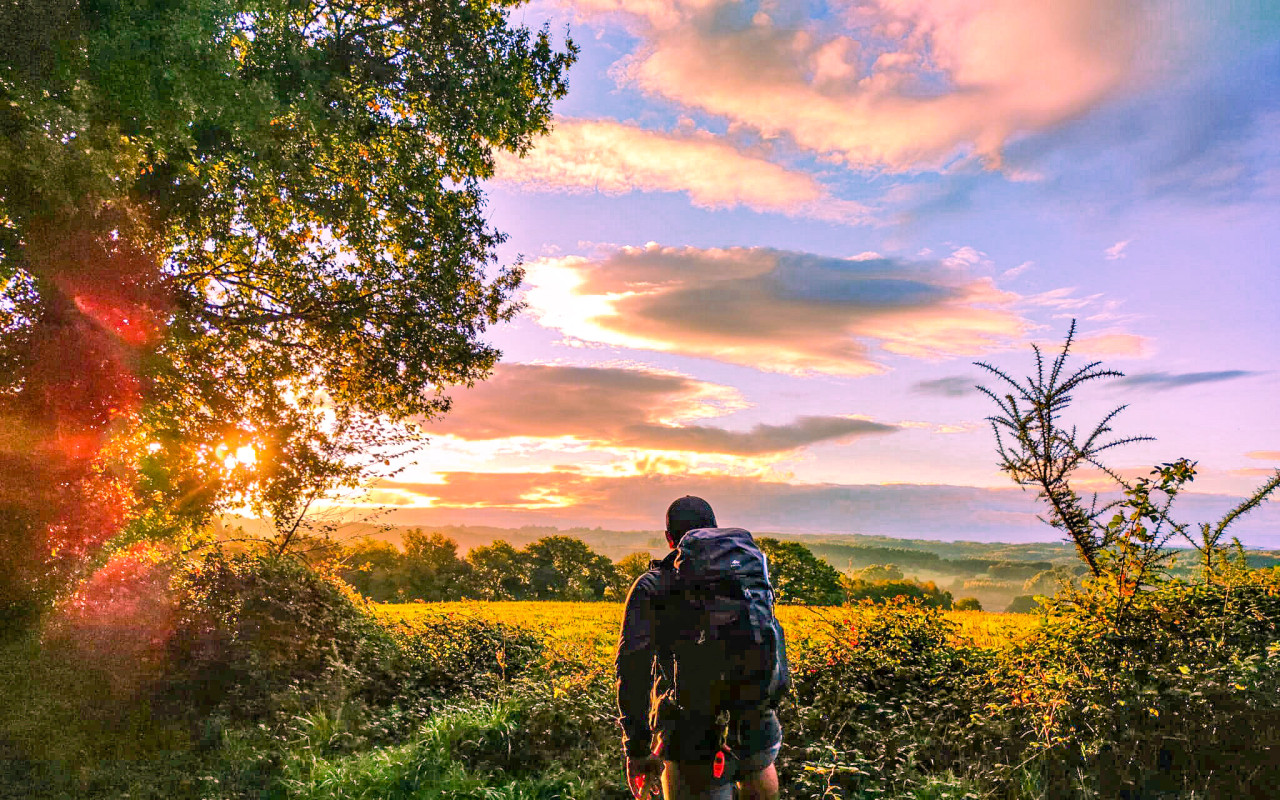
<point>686,514</point>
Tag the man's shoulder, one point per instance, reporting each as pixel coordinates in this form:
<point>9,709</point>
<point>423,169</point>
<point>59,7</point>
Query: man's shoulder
<point>654,580</point>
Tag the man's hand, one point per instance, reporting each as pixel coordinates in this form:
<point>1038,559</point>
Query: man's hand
<point>643,776</point>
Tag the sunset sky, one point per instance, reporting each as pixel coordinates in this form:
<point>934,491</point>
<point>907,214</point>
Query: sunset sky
<point>767,240</point>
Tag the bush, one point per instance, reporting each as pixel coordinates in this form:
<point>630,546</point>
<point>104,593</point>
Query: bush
<point>442,661</point>
<point>256,636</point>
<point>967,604</point>
<point>1180,692</point>
<point>881,699</point>
<point>539,740</point>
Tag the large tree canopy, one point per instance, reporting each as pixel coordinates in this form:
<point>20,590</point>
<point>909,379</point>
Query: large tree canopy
<point>236,236</point>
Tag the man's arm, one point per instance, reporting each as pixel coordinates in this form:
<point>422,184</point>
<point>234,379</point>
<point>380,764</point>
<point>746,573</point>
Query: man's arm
<point>634,667</point>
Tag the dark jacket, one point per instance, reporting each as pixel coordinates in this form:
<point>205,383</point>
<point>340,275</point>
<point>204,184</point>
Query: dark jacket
<point>643,662</point>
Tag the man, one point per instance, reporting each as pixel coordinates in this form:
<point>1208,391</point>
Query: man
<point>686,752</point>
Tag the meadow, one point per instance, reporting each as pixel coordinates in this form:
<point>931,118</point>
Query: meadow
<point>596,624</point>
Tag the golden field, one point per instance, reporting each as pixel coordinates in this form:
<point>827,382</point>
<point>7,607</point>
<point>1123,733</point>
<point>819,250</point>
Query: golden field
<point>596,624</point>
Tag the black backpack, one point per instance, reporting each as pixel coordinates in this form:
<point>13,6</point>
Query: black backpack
<point>726,644</point>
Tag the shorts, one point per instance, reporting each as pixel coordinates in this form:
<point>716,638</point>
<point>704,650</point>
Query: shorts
<point>754,739</point>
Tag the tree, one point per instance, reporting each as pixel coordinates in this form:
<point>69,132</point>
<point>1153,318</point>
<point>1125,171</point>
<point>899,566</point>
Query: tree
<point>1048,582</point>
<point>499,572</point>
<point>1023,604</point>
<point>879,572</point>
<point>798,576</point>
<point>432,569</point>
<point>1123,541</point>
<point>627,569</point>
<point>240,242</point>
<point>564,568</point>
<point>967,604</point>
<point>884,591</point>
<point>374,568</point>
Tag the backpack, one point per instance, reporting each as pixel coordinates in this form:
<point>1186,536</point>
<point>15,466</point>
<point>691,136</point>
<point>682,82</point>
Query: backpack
<point>726,644</point>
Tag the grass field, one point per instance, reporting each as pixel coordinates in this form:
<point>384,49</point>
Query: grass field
<point>596,624</point>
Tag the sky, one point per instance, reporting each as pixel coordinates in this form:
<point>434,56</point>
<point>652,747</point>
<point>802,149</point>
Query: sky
<point>766,242</point>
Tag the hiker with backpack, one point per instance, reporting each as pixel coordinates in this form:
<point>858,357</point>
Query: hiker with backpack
<point>701,666</point>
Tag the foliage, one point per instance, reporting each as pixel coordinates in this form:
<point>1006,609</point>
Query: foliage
<point>564,568</point>
<point>1121,541</point>
<point>432,569</point>
<point>1049,582</point>
<point>1137,684</point>
<point>259,635</point>
<point>878,572</point>
<point>429,569</point>
<point>967,604</point>
<point>498,572</point>
<point>798,576</point>
<point>1023,604</point>
<point>1178,694</point>
<point>239,241</point>
<point>881,698</point>
<point>882,591</point>
<point>627,569</point>
<point>373,568</point>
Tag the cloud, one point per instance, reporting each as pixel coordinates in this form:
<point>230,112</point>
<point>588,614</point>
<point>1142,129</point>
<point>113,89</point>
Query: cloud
<point>1166,380</point>
<point>1264,455</point>
<point>1116,251</point>
<point>952,386</point>
<point>613,158</point>
<point>1208,134</point>
<point>637,502</point>
<point>1112,345</point>
<point>776,310</point>
<point>1014,272</point>
<point>626,407</point>
<point>895,84</point>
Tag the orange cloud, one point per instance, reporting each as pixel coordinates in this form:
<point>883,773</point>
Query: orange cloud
<point>615,158</point>
<point>895,84</point>
<point>776,310</point>
<point>626,408</point>
<point>1123,345</point>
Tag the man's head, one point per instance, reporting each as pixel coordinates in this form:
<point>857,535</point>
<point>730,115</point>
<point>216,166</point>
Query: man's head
<point>686,514</point>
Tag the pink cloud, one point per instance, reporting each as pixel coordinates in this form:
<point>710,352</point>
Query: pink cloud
<point>615,158</point>
<point>775,310</point>
<point>1123,345</point>
<point>627,408</point>
<point>1116,251</point>
<point>894,84</point>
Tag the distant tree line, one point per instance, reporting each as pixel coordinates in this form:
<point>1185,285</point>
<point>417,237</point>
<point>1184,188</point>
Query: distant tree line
<point>428,567</point>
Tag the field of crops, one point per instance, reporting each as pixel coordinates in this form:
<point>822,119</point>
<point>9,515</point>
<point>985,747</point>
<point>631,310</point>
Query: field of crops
<point>597,623</point>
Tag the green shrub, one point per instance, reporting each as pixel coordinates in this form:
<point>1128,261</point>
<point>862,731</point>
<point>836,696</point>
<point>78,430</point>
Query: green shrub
<point>538,742</point>
<point>1178,690</point>
<point>442,661</point>
<point>257,636</point>
<point>881,700</point>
